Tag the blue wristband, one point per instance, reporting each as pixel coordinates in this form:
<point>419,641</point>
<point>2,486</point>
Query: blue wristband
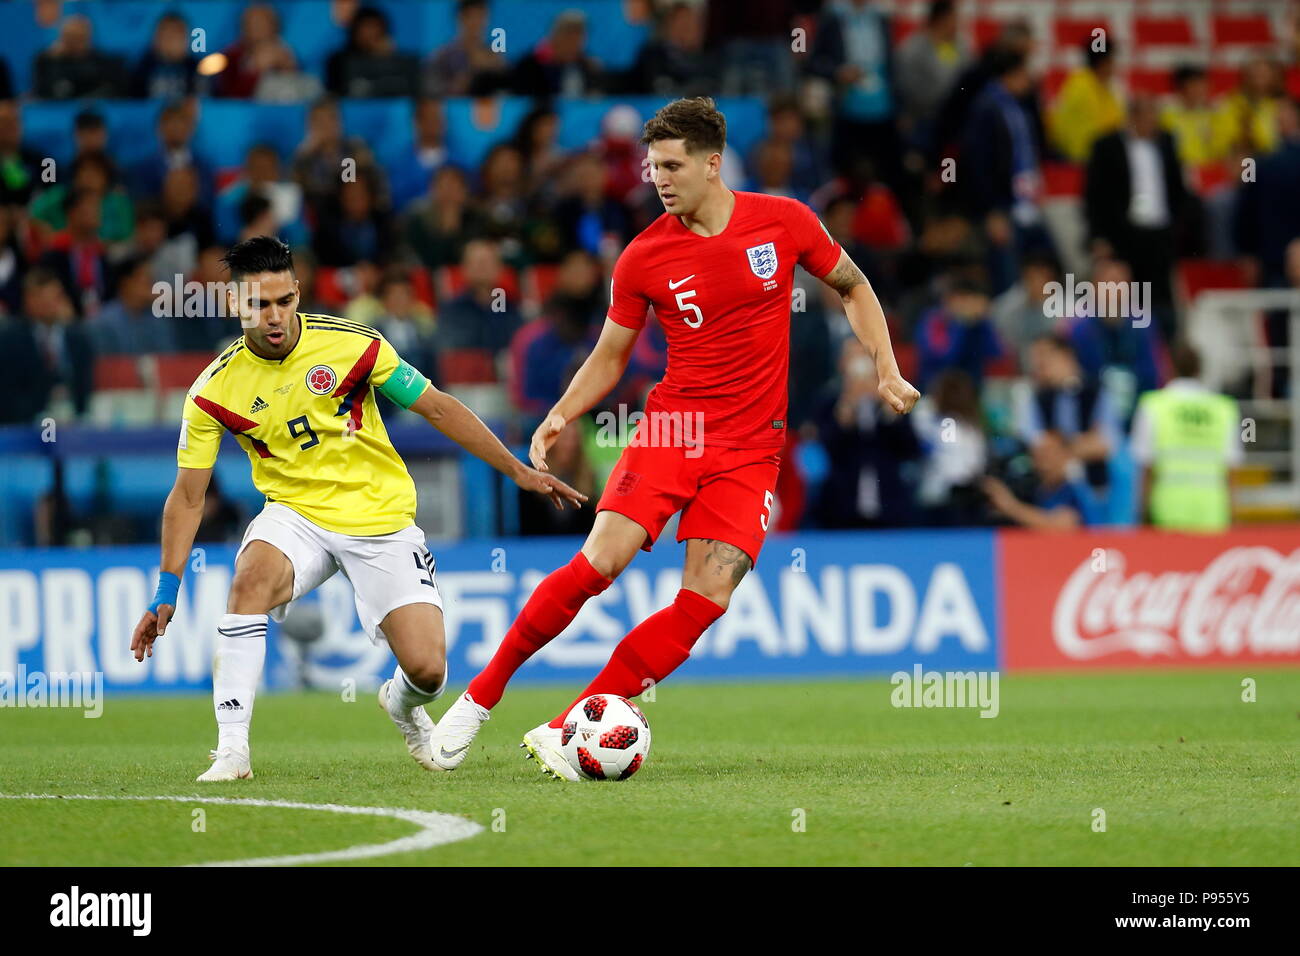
<point>169,586</point>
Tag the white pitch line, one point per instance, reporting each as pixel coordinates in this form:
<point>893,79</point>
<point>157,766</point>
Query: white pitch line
<point>436,828</point>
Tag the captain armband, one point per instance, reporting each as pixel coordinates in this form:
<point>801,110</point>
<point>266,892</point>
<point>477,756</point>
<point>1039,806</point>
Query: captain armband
<point>405,385</point>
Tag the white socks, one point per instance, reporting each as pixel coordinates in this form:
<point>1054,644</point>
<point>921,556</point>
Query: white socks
<point>236,670</point>
<point>403,696</point>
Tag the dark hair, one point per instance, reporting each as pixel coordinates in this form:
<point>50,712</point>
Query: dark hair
<point>938,10</point>
<point>251,207</point>
<point>1058,342</point>
<point>361,16</point>
<point>464,6</point>
<point>1186,73</point>
<point>128,266</point>
<point>1094,56</point>
<point>1006,60</point>
<point>695,120</point>
<point>88,119</point>
<point>75,197</point>
<point>95,157</point>
<point>1185,360</point>
<point>257,255</point>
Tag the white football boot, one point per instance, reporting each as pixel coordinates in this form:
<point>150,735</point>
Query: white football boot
<point>456,731</point>
<point>543,744</point>
<point>228,763</point>
<point>416,726</point>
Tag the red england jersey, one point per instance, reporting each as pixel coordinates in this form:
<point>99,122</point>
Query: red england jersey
<point>724,304</point>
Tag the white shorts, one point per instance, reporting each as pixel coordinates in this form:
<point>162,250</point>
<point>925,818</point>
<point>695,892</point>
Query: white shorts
<point>387,571</point>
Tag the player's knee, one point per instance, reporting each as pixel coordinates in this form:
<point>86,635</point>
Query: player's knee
<point>716,590</point>
<point>251,593</point>
<point>606,560</point>
<point>428,672</point>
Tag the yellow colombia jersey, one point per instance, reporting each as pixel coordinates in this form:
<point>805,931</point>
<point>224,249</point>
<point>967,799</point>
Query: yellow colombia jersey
<point>310,426</point>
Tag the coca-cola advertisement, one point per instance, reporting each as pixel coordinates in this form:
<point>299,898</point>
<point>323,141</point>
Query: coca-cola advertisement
<point>1150,599</point>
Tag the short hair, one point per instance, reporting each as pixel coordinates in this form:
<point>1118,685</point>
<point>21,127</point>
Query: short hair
<point>1057,342</point>
<point>1006,60</point>
<point>695,120</point>
<point>251,207</point>
<point>938,10</point>
<point>88,119</point>
<point>1094,56</point>
<point>1186,73</point>
<point>75,197</point>
<point>257,255</point>
<point>1185,360</point>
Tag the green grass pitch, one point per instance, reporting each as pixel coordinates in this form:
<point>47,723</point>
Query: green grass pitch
<point>1185,771</point>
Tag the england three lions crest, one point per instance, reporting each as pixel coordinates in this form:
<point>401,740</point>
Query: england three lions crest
<point>762,259</point>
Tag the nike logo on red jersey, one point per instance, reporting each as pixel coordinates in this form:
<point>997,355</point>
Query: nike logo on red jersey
<point>674,285</point>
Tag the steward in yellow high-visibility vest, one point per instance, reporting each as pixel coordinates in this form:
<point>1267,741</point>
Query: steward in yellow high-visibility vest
<point>1188,438</point>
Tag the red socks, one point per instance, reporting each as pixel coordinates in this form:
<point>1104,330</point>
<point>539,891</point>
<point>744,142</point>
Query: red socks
<point>549,610</point>
<point>653,649</point>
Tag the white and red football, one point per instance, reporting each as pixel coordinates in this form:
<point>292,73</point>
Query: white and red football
<point>606,737</point>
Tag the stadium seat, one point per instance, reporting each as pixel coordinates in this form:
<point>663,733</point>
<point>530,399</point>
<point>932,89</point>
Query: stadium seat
<point>1062,179</point>
<point>539,283</point>
<point>1155,82</point>
<point>1152,31</point>
<point>1251,30</point>
<point>1073,34</point>
<point>1200,275</point>
<point>450,282</point>
<point>985,30</point>
<point>467,367</point>
<point>181,369</point>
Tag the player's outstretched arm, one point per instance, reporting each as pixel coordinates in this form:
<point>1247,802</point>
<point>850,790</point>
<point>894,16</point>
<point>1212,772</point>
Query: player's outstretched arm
<point>181,517</point>
<point>451,417</point>
<point>593,381</point>
<point>867,319</point>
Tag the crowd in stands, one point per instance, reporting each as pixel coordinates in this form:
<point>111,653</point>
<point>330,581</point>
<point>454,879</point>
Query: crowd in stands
<point>929,158</point>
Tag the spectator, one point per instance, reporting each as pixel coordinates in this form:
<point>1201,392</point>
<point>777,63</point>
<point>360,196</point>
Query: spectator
<point>538,144</point>
<point>481,317</point>
<point>210,329</point>
<point>167,70</point>
<point>546,352</point>
<point>1134,200</point>
<point>221,521</point>
<point>437,226</point>
<point>950,427</point>
<point>1268,210</point>
<point>89,133</point>
<point>256,217</point>
<point>1059,502</point>
<point>1116,346</point>
<point>411,173</point>
<point>60,353</point>
<point>773,165</point>
<point>1187,440</point>
<point>128,324</point>
<point>189,223</point>
<point>262,177</point>
<point>370,65</point>
<point>569,461</point>
<point>785,124</point>
<point>92,173</point>
<point>1061,399</point>
<point>20,167</point>
<point>1191,119</point>
<point>73,69</point>
<point>466,65</point>
<point>1020,315</point>
<point>1088,105</point>
<point>1000,159</point>
<point>752,41</point>
<point>1248,117</point>
<point>588,218</point>
<point>405,321</point>
<point>77,254</point>
<point>928,63</point>
<point>852,50</point>
<point>503,195</point>
<point>355,230</point>
<point>559,65</point>
<point>318,162</point>
<point>13,263</point>
<point>673,62</point>
<point>176,125</point>
<point>870,450</point>
<point>958,334</point>
<point>259,51</point>
<point>304,268</point>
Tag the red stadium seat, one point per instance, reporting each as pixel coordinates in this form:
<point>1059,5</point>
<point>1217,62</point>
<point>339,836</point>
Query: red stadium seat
<point>116,372</point>
<point>422,283</point>
<point>1153,82</point>
<point>180,370</point>
<point>1162,31</point>
<point>1062,179</point>
<point>908,361</point>
<point>1074,34</point>
<point>539,283</point>
<point>1201,275</point>
<point>1222,79</point>
<point>451,283</point>
<point>985,31</point>
<point>902,29</point>
<point>467,367</point>
<point>329,291</point>
<point>1254,30</point>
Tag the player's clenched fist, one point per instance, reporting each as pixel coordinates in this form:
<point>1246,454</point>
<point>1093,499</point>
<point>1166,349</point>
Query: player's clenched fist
<point>552,487</point>
<point>898,393</point>
<point>543,439</point>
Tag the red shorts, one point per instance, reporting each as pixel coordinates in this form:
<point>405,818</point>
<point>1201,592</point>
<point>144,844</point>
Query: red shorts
<point>725,494</point>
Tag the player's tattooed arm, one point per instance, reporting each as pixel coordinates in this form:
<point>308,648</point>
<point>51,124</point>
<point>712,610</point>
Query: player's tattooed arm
<point>727,559</point>
<point>845,277</point>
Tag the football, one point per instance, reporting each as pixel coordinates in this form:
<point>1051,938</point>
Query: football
<point>606,737</point>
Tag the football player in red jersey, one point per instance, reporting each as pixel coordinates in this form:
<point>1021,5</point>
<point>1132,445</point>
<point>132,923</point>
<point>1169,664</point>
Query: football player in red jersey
<point>717,268</point>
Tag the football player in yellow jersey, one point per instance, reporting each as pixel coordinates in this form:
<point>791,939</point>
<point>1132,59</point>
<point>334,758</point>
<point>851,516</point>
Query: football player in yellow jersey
<point>298,392</point>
